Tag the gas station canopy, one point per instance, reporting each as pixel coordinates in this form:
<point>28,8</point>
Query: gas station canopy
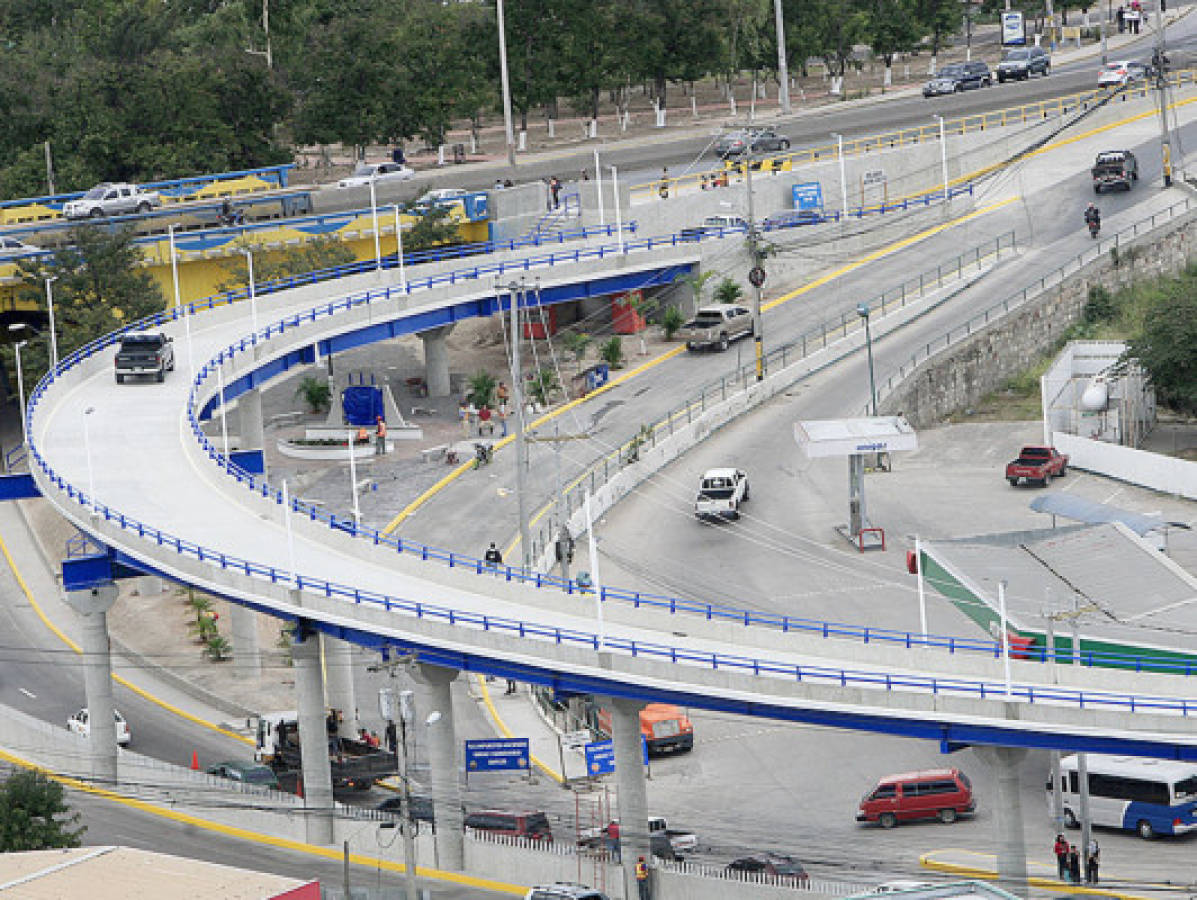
<point>822,438</point>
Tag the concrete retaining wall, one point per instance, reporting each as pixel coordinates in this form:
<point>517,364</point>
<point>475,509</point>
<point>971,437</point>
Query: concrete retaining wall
<point>960,376</point>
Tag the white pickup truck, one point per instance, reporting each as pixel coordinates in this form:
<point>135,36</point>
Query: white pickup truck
<point>680,842</point>
<point>717,326</point>
<point>111,199</point>
<point>720,494</point>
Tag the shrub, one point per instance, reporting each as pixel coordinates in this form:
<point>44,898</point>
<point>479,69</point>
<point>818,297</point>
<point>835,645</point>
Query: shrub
<point>315,393</point>
<point>542,385</point>
<point>728,291</point>
<point>672,321</point>
<point>612,352</point>
<point>482,389</point>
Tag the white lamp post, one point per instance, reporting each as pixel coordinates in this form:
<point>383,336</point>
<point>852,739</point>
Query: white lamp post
<point>618,211</point>
<point>50,309</point>
<point>943,157</point>
<point>374,213</point>
<point>399,249</point>
<point>91,476</point>
<point>21,387</point>
<point>839,145</point>
<point>253,295</point>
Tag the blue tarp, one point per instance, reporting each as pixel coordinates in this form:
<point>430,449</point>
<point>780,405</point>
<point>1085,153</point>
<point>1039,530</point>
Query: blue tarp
<point>362,404</point>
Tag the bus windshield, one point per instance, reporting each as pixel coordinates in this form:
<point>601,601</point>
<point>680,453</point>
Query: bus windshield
<point>1186,788</point>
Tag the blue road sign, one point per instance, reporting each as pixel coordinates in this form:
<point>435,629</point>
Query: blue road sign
<point>497,755</point>
<point>808,195</point>
<point>600,756</point>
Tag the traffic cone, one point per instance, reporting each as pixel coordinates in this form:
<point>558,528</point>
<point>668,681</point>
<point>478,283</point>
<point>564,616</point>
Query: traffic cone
<point>194,761</point>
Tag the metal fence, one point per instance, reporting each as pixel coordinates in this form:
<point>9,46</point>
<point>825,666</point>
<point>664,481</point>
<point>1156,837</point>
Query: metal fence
<point>1054,278</point>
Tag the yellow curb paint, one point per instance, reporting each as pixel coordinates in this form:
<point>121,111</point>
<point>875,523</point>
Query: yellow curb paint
<point>141,692</point>
<point>506,732</point>
<point>260,838</point>
<point>927,861</point>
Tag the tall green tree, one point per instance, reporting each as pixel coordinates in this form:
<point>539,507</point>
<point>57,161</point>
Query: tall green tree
<point>891,27</point>
<point>34,815</point>
<point>1166,345</point>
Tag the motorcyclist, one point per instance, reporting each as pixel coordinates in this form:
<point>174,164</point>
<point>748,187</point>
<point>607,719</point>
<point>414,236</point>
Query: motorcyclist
<point>226,212</point>
<point>1092,215</point>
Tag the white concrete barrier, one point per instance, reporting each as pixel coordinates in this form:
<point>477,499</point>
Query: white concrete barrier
<point>1151,470</point>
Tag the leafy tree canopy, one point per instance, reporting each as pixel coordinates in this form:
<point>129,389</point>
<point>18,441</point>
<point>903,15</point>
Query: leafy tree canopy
<point>34,815</point>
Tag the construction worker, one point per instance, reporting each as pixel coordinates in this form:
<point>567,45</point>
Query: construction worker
<point>642,878</point>
<point>380,437</point>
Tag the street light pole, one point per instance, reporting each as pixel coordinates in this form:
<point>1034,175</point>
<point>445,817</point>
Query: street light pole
<point>839,143</point>
<point>862,310</point>
<point>506,85</point>
<point>618,210</point>
<point>943,157</point>
<point>783,73</point>
<point>758,340</point>
<point>516,291</point>
<point>377,238</point>
<point>91,475</point>
<point>253,296</point>
<point>406,710</point>
<point>50,309</point>
<point>1160,61</point>
<point>21,389</point>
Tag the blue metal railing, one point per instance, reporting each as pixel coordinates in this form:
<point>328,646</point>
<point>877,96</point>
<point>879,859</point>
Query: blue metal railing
<point>747,618</point>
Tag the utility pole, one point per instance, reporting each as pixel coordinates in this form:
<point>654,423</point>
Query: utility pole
<point>563,539</point>
<point>516,292</point>
<point>783,72</point>
<point>49,167</point>
<point>756,274</point>
<point>1159,61</point>
<point>505,85</point>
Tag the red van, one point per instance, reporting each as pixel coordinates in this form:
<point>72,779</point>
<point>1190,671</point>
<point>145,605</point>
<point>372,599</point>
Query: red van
<point>943,794</point>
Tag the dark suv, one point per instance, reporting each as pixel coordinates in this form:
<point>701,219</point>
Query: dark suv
<point>958,77</point>
<point>1023,62</point>
<point>144,353</point>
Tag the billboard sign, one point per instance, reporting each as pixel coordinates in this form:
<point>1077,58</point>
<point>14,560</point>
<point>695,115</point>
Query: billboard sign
<point>1013,32</point>
<point>499,755</point>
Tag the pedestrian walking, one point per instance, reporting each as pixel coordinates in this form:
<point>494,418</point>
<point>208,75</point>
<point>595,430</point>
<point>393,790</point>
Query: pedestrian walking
<point>510,686</point>
<point>380,437</point>
<point>493,558</point>
<point>392,736</point>
<point>1092,861</point>
<point>642,879</point>
<point>1120,16</point>
<point>1074,865</point>
<point>1060,848</point>
<point>555,190</point>
<point>503,419</point>
<point>502,394</point>
<point>663,190</point>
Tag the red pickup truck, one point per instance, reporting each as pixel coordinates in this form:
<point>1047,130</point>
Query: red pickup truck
<point>1036,464</point>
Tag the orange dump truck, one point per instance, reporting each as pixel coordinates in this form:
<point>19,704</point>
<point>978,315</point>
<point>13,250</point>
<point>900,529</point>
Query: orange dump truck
<point>665,728</point>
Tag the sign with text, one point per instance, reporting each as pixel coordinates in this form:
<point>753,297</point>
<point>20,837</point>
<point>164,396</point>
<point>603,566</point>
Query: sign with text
<point>499,755</point>
<point>876,176</point>
<point>808,195</point>
<point>1012,30</point>
<point>600,757</point>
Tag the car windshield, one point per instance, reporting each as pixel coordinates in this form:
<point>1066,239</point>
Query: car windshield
<point>704,320</point>
<point>788,867</point>
<point>258,775</point>
<point>96,193</point>
<point>1115,67</point>
<point>1018,54</point>
<point>538,824</point>
<point>140,341</point>
<point>364,169</point>
<point>951,71</point>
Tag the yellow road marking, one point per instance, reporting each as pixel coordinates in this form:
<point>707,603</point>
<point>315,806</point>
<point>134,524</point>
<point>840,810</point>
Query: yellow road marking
<point>141,692</point>
<point>927,861</point>
<point>258,838</point>
<point>506,732</point>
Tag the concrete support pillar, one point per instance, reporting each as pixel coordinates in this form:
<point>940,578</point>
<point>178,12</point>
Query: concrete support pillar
<point>633,795</point>
<point>251,428</point>
<point>436,360</point>
<point>313,737</point>
<point>338,683</point>
<point>1011,850</point>
<point>436,683</point>
<point>247,656</point>
<point>92,608</point>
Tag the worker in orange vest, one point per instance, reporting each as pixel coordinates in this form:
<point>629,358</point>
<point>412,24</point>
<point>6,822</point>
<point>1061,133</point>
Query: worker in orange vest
<point>380,437</point>
<point>642,879</point>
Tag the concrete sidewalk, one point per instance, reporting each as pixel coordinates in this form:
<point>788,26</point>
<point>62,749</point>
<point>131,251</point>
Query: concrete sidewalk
<point>1124,883</point>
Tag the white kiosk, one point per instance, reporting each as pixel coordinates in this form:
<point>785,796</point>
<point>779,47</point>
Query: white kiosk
<point>856,439</point>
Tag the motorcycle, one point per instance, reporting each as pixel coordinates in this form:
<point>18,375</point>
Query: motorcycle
<point>1094,227</point>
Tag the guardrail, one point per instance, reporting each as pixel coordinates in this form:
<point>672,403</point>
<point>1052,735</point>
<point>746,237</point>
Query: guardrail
<point>1055,277</point>
<point>1029,112</point>
<point>524,629</point>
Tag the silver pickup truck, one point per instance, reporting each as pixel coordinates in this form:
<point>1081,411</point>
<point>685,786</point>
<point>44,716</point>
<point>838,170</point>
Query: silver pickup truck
<point>111,199</point>
<point>717,326</point>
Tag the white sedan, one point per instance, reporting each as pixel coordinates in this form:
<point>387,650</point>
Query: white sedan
<point>1116,74</point>
<point>78,723</point>
<point>377,172</point>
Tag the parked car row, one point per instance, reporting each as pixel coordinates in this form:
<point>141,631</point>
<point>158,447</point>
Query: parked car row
<point>1019,64</point>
